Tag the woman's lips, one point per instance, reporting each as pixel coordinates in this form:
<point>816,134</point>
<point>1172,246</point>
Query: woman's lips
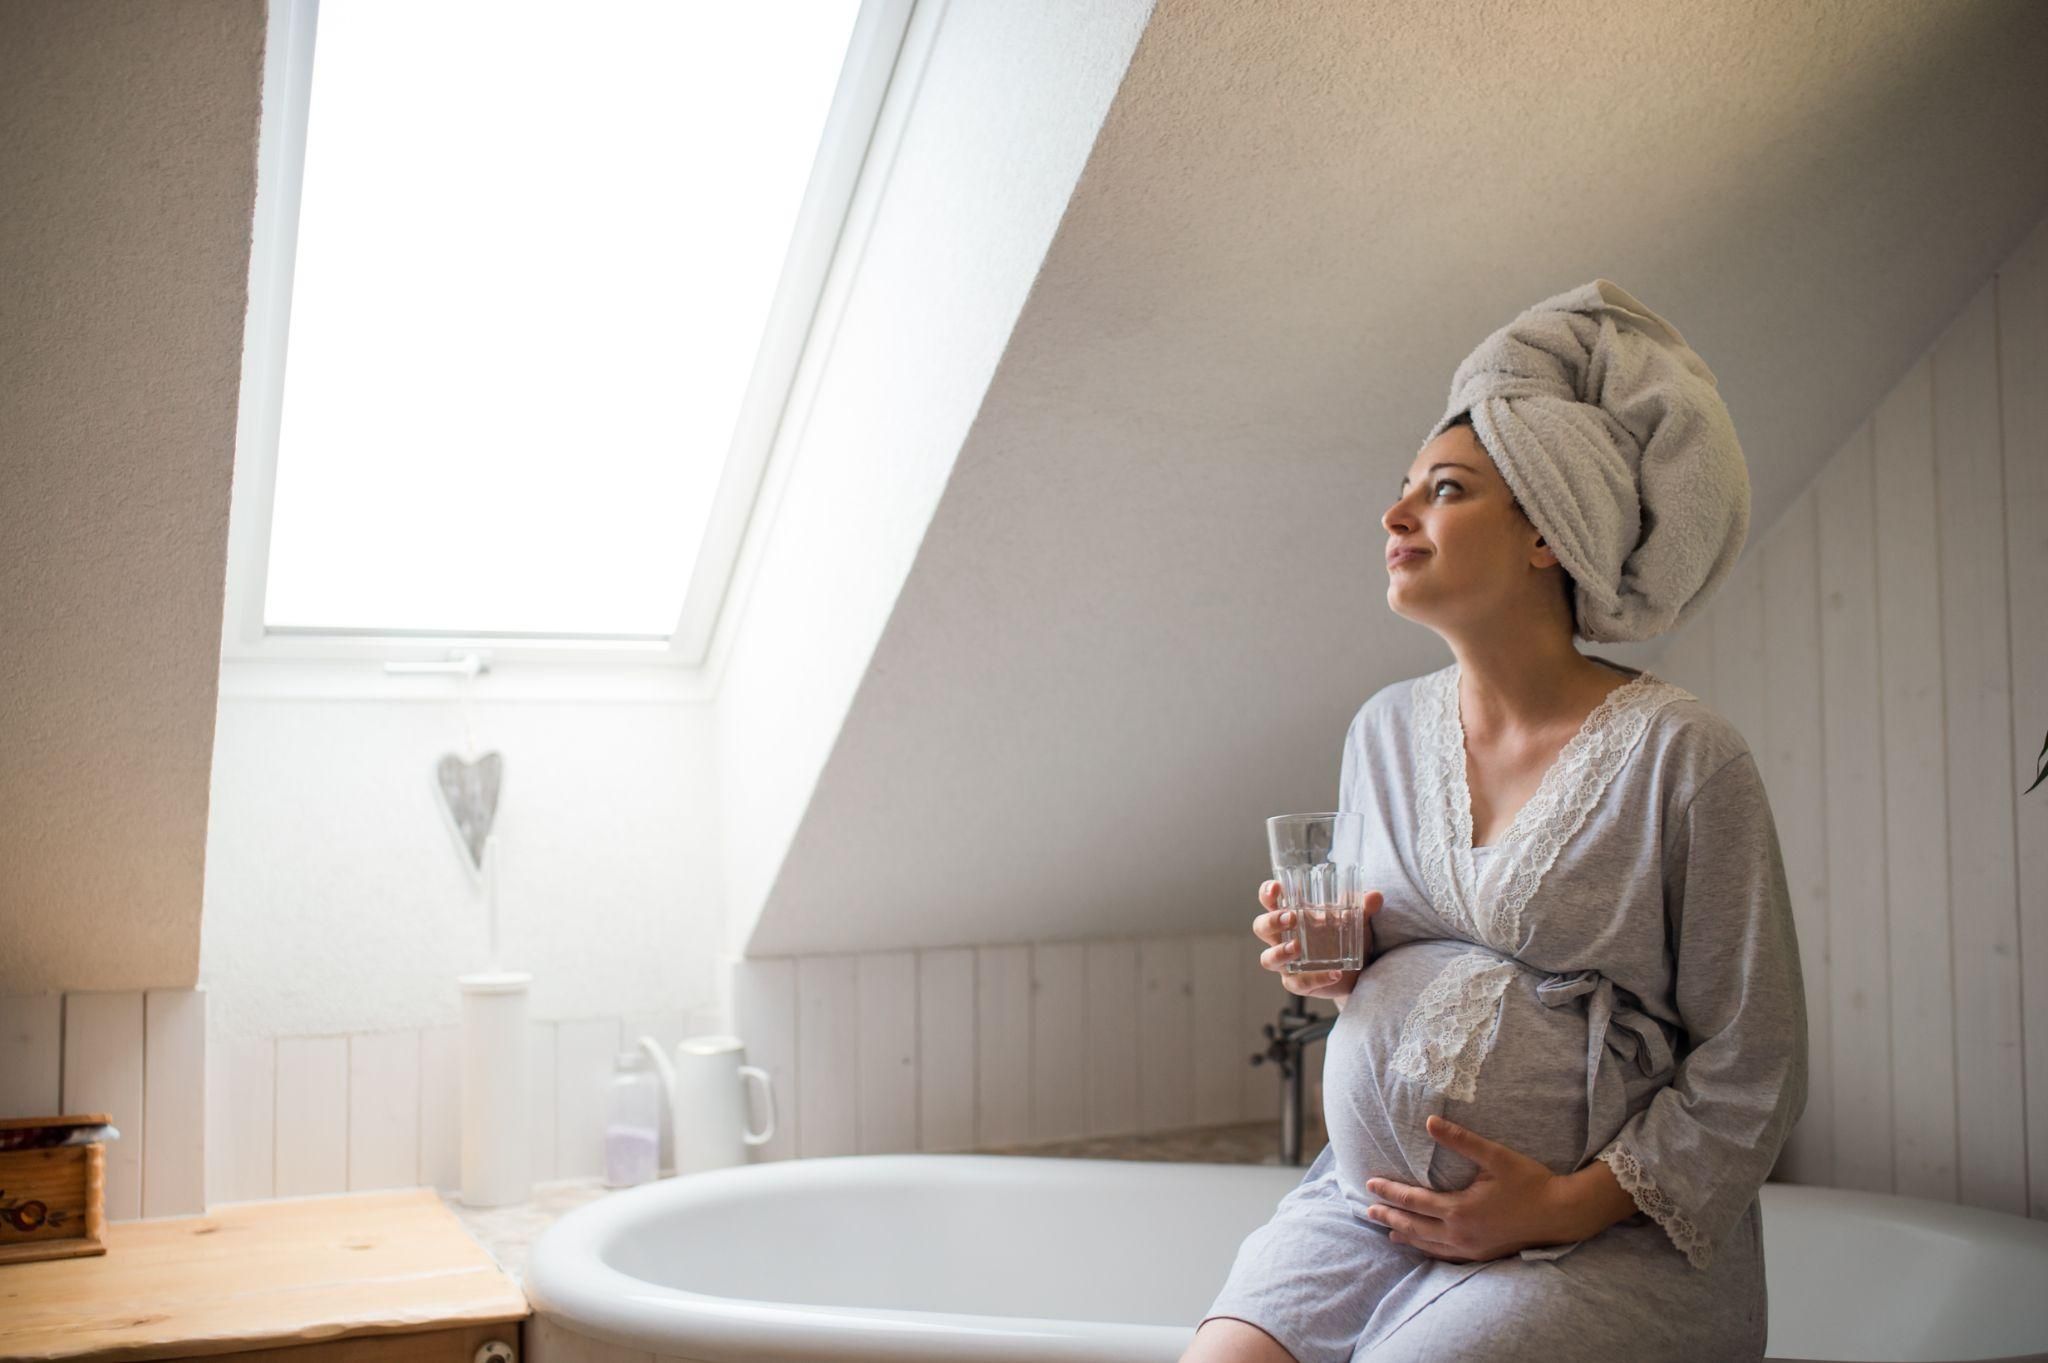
<point>1405,556</point>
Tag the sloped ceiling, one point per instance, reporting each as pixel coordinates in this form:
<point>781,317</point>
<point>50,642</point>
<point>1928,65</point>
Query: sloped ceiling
<point>127,179</point>
<point>1152,594</point>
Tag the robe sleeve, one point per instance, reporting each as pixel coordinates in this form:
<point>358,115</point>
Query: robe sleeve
<point>1694,1159</point>
<point>1347,766</point>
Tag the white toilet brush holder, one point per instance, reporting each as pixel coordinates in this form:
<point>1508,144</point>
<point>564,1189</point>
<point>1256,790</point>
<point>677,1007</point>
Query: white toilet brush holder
<point>497,1115</point>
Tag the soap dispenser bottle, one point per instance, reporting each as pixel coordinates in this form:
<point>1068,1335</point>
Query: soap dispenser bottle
<point>632,1122</point>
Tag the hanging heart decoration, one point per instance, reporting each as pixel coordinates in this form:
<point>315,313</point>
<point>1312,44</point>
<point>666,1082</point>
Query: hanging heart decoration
<point>469,790</point>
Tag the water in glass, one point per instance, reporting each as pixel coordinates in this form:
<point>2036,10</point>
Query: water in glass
<point>1315,859</point>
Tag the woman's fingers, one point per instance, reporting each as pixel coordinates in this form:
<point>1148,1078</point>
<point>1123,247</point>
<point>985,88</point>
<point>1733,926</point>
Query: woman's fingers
<point>1266,926</point>
<point>1272,928</point>
<point>1320,984</point>
<point>1275,927</point>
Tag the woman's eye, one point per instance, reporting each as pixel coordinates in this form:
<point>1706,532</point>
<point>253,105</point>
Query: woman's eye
<point>1441,482</point>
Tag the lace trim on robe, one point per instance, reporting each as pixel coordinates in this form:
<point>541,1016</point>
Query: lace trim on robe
<point>1440,1042</point>
<point>1584,768</point>
<point>1437,832</point>
<point>1629,1172</point>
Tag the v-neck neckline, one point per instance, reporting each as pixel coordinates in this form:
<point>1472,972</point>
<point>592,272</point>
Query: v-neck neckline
<point>1461,790</point>
<point>1480,893</point>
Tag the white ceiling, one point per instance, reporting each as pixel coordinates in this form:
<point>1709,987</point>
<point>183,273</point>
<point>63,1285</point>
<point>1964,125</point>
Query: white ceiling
<point>1152,595</point>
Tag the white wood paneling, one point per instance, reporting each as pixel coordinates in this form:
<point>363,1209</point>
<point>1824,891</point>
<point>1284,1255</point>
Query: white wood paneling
<point>1737,620</point>
<point>1915,803</point>
<point>888,1052</point>
<point>585,1049</point>
<point>383,1110</point>
<point>1852,739</point>
<point>540,1093</point>
<point>441,1107</point>
<point>827,1055</point>
<point>764,1010</point>
<point>1113,986</point>
<point>1218,1005</point>
<point>1059,1040</point>
<point>241,1119</point>
<point>1263,998</point>
<point>945,1049</point>
<point>1166,1054</point>
<point>312,1115</point>
<point>398,1100</point>
<point>1788,750</point>
<point>103,1041</point>
<point>1002,1033</point>
<point>1895,621</point>
<point>173,1134</point>
<point>31,1055</point>
<point>1976,685</point>
<point>2023,428</point>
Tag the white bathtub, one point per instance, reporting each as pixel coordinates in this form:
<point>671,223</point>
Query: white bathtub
<point>1013,1258</point>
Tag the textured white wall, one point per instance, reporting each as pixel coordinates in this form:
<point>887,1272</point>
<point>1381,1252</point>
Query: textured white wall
<point>127,177</point>
<point>336,900</point>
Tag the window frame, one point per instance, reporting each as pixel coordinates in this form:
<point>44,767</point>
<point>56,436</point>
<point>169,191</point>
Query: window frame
<point>854,151</point>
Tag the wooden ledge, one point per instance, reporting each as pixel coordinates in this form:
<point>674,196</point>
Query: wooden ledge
<point>257,1275</point>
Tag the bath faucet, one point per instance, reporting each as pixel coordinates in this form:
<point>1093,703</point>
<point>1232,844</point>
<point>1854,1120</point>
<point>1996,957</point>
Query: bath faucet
<point>1298,1028</point>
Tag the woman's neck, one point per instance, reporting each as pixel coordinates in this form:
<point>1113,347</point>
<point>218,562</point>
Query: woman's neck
<point>1505,694</point>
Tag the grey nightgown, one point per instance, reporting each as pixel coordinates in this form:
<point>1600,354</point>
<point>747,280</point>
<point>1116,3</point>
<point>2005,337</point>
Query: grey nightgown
<point>1616,977</point>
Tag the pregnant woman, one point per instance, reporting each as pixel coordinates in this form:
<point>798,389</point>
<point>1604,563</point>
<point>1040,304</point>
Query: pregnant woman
<point>1579,1040</point>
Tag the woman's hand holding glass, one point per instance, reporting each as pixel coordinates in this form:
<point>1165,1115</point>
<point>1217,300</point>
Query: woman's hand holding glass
<point>1275,927</point>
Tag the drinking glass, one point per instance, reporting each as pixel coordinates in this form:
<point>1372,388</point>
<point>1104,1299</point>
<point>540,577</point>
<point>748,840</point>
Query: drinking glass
<point>1316,860</point>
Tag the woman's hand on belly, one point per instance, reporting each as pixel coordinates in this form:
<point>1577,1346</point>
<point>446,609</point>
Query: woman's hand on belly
<point>1275,927</point>
<point>1512,1204</point>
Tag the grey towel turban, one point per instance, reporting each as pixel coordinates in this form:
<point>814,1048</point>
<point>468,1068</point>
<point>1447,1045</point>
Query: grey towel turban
<point>1611,432</point>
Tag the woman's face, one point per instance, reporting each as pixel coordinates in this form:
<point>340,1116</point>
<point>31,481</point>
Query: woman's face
<point>1481,561</point>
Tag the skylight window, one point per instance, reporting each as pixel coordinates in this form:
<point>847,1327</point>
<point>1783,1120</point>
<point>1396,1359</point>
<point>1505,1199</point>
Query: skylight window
<point>536,250</point>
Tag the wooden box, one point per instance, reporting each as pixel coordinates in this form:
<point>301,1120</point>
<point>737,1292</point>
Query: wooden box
<point>53,1198</point>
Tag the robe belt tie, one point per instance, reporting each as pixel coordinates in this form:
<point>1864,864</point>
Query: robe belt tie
<point>1629,1032</point>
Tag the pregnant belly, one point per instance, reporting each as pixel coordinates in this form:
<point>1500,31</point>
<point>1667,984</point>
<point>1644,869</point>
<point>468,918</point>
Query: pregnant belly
<point>1525,1068</point>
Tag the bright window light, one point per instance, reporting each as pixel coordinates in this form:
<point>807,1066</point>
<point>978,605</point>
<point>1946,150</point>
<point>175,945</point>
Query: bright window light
<point>537,244</point>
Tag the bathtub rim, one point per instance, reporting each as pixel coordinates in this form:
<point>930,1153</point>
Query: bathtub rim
<point>568,1281</point>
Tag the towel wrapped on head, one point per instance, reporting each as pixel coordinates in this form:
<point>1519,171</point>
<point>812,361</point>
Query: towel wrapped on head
<point>1611,432</point>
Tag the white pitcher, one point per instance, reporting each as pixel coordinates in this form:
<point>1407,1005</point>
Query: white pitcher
<point>707,1100</point>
